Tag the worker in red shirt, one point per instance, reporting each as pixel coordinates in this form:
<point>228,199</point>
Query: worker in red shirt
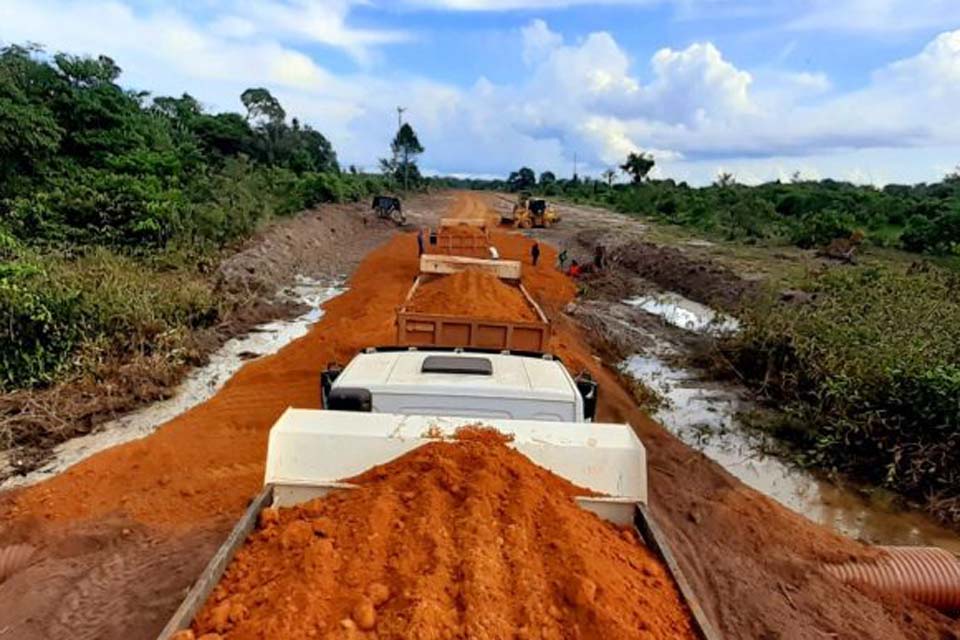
<point>574,271</point>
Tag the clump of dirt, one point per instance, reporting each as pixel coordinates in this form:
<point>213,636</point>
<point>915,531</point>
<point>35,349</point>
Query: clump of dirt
<point>455,539</point>
<point>696,278</point>
<point>472,293</point>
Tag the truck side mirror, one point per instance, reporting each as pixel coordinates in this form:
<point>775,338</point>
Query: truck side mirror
<point>327,378</point>
<point>589,389</point>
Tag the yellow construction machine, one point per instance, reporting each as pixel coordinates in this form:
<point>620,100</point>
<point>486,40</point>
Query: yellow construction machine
<point>532,212</point>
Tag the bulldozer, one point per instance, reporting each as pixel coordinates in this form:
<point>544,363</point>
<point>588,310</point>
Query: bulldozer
<point>532,212</point>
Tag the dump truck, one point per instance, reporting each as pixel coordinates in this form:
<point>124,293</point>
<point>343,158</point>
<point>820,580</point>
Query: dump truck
<point>460,382</point>
<point>467,237</point>
<point>419,329</point>
<point>311,452</point>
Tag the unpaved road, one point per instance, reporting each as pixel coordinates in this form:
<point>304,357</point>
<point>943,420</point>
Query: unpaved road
<point>120,536</point>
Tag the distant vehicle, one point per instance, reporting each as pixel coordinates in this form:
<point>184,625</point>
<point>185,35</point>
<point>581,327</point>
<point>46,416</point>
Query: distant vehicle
<point>531,212</point>
<point>389,208</point>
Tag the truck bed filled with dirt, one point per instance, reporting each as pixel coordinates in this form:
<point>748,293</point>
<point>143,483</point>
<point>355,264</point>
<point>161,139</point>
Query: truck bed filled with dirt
<point>461,240</point>
<point>475,294</point>
<point>471,309</point>
<point>455,539</point>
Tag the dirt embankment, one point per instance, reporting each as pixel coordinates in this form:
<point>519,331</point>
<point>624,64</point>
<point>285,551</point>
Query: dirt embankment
<point>453,540</point>
<point>474,294</point>
<point>753,563</point>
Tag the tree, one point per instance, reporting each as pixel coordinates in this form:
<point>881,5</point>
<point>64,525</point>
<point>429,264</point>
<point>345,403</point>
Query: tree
<point>638,166</point>
<point>547,178</point>
<point>523,180</point>
<point>406,147</point>
<point>725,180</point>
<point>261,104</point>
<point>609,175</point>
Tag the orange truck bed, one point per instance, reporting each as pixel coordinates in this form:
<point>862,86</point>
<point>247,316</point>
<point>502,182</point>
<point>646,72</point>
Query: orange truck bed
<point>420,329</point>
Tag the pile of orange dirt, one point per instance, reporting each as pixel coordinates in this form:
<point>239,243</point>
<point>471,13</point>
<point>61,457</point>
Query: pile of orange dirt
<point>475,294</point>
<point>463,231</point>
<point>463,539</point>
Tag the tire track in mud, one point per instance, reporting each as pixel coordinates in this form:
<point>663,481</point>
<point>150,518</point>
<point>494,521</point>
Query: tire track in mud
<point>13,558</point>
<point>71,587</point>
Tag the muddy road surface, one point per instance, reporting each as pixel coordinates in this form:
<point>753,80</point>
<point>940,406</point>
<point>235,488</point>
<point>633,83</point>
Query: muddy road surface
<point>116,540</point>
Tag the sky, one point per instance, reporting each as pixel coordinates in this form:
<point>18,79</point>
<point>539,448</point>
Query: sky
<point>859,90</point>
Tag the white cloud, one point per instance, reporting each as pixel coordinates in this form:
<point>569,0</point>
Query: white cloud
<point>878,16</point>
<point>696,84</point>
<point>693,108</point>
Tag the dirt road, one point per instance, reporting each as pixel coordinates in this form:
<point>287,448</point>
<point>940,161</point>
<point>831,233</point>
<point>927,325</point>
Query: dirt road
<point>120,536</point>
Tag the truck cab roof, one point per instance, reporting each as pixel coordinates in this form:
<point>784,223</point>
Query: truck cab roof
<point>503,375</point>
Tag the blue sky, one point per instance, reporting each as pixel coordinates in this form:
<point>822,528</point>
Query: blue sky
<point>864,90</point>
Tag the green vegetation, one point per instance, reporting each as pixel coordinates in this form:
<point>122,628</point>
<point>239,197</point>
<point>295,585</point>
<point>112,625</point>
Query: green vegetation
<point>113,205</point>
<point>868,376</point>
<point>923,218</point>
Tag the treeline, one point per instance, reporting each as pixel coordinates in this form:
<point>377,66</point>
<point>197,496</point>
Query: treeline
<point>114,204</point>
<point>922,218</point>
<point>85,161</point>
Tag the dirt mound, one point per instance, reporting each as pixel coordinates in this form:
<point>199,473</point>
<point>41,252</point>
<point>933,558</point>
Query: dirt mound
<point>453,540</point>
<point>472,293</point>
<point>463,230</point>
<point>696,278</point>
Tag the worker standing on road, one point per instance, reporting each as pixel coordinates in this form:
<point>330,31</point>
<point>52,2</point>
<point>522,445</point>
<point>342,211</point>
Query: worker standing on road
<point>420,243</point>
<point>562,259</point>
<point>535,253</point>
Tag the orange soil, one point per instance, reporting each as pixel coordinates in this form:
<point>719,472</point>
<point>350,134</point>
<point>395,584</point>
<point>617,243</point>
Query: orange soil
<point>453,540</point>
<point>475,294</point>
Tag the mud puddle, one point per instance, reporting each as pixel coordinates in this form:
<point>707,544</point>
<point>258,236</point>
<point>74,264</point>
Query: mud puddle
<point>685,313</point>
<point>199,386</point>
<point>703,414</point>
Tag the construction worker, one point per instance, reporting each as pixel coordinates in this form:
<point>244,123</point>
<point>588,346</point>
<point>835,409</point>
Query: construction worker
<point>574,271</point>
<point>599,257</point>
<point>420,243</point>
<point>535,253</point>
<point>562,259</point>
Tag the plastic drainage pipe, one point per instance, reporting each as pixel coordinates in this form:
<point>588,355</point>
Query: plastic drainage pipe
<point>928,575</point>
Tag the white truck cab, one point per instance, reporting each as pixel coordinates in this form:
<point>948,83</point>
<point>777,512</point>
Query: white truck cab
<point>460,382</point>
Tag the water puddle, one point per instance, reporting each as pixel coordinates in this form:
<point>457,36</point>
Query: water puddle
<point>703,415</point>
<point>199,386</point>
<point>685,314</point>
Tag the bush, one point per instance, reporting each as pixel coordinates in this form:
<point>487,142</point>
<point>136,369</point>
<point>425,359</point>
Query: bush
<point>48,313</point>
<point>40,324</point>
<point>869,371</point>
<point>939,235</point>
<point>819,228</point>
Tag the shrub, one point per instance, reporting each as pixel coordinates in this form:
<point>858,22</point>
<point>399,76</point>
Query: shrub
<point>870,372</point>
<point>819,228</point>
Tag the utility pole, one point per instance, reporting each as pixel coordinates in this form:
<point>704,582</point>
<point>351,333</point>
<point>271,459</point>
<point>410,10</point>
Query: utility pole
<point>574,166</point>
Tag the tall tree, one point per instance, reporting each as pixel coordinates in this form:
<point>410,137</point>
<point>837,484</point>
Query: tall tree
<point>523,180</point>
<point>261,104</point>
<point>609,176</point>
<point>406,147</point>
<point>638,166</point>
